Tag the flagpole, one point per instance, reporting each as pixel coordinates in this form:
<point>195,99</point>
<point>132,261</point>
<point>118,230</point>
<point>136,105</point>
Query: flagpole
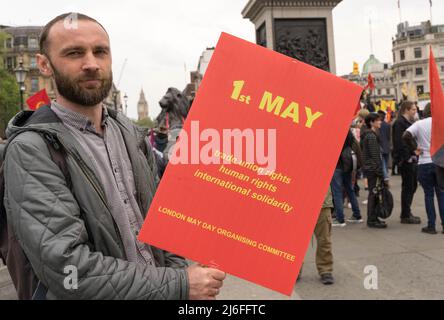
<point>431,23</point>
<point>371,37</point>
<point>399,9</point>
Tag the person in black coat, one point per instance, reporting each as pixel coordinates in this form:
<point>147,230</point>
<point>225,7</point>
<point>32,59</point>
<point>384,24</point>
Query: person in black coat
<point>407,160</point>
<point>373,167</point>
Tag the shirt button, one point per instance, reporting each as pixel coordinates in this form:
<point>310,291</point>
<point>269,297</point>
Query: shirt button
<point>125,201</point>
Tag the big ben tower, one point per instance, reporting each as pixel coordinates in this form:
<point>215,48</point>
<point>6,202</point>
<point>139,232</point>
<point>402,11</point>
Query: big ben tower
<point>142,106</point>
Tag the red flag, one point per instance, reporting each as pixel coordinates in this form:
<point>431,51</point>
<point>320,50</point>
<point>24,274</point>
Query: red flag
<point>437,108</point>
<point>370,83</point>
<point>39,99</point>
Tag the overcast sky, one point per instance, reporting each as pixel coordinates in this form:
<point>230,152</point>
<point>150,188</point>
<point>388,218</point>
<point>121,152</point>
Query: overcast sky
<point>162,40</point>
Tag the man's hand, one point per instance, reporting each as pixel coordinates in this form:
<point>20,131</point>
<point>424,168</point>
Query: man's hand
<point>204,282</point>
<point>418,151</point>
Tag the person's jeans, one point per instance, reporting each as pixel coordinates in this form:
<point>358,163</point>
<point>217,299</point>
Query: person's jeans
<point>427,178</point>
<point>409,184</point>
<point>371,203</point>
<point>343,181</point>
<point>385,164</point>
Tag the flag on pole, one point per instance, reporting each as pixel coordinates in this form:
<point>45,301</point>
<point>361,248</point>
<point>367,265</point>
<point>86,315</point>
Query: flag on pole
<point>413,95</point>
<point>370,83</point>
<point>405,90</point>
<point>355,68</point>
<point>39,99</point>
<point>437,108</point>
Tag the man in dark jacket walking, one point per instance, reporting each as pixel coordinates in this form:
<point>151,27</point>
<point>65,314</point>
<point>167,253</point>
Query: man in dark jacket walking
<point>372,167</point>
<point>91,223</point>
<point>407,161</point>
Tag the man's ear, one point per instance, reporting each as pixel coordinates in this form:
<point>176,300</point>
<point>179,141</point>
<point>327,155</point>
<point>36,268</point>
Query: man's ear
<point>44,65</point>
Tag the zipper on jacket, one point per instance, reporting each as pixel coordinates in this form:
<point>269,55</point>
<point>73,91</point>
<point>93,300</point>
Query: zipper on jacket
<point>97,188</point>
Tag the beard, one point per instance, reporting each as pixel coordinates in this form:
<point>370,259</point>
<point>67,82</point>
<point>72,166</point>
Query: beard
<point>71,89</point>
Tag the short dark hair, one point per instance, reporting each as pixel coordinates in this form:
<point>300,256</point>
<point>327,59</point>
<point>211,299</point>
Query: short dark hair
<point>406,106</point>
<point>43,42</point>
<point>427,112</point>
<point>381,114</point>
<point>372,117</point>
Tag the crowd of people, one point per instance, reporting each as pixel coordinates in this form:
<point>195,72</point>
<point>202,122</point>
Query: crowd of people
<point>372,146</point>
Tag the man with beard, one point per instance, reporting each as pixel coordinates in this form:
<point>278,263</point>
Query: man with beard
<point>88,219</point>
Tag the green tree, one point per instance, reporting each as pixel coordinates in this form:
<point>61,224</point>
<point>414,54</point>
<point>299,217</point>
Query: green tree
<point>9,99</point>
<point>145,123</point>
<point>3,36</point>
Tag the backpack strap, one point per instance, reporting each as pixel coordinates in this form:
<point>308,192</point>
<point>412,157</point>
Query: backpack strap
<point>58,156</point>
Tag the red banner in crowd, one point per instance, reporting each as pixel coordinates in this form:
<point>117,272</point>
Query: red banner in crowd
<point>38,99</point>
<point>252,165</point>
<point>437,108</point>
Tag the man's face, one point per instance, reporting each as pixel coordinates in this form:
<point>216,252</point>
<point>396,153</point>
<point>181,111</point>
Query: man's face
<point>377,123</point>
<point>412,113</point>
<point>80,61</point>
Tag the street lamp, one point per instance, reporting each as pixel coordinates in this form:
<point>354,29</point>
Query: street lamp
<point>20,75</point>
<point>115,94</point>
<point>125,98</point>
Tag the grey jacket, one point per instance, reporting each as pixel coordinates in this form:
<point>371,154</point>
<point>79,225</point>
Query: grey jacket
<point>60,227</point>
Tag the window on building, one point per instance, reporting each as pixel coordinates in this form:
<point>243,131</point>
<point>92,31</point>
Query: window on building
<point>34,84</point>
<point>21,41</point>
<point>420,89</point>
<point>33,63</point>
<point>8,43</point>
<point>442,68</point>
<point>403,73</point>
<point>418,71</point>
<point>394,57</point>
<point>387,91</point>
<point>402,54</point>
<point>33,43</point>
<point>10,63</point>
<point>441,50</point>
<point>379,92</point>
<point>418,53</point>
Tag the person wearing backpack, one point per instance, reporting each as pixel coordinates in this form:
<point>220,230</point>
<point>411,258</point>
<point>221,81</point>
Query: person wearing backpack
<point>342,181</point>
<point>78,227</point>
<point>373,167</point>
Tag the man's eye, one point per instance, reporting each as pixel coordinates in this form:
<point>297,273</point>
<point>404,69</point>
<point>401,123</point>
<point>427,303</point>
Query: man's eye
<point>101,51</point>
<point>74,53</point>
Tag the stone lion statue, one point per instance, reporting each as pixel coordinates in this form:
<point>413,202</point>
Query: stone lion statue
<point>174,104</point>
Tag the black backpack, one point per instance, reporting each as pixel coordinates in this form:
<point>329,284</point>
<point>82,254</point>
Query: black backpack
<point>23,276</point>
<point>383,200</point>
<point>347,159</point>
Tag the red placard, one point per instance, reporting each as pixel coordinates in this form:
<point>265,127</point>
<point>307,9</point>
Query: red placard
<point>247,219</point>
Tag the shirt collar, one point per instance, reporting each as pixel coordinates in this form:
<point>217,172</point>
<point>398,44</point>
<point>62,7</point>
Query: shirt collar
<point>78,120</point>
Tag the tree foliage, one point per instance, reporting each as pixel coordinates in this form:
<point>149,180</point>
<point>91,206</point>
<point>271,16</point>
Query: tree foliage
<point>145,123</point>
<point>9,99</point>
